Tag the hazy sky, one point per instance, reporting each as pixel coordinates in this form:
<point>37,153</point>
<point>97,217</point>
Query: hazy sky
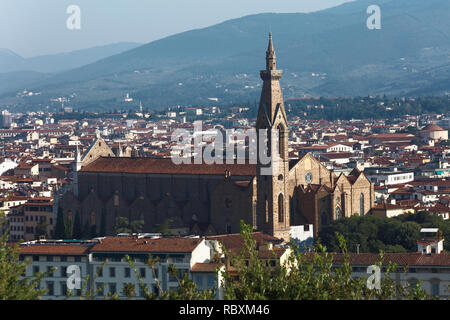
<point>36,27</point>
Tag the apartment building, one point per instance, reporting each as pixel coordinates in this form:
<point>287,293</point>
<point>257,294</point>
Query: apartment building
<point>107,256</point>
<point>430,264</point>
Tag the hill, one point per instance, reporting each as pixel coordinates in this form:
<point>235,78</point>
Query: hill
<point>325,53</point>
<point>55,63</point>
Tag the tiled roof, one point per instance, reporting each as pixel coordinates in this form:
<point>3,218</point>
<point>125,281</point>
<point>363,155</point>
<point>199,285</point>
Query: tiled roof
<point>205,267</point>
<point>165,166</point>
<point>387,206</point>
<point>235,241</point>
<point>129,244</point>
<point>65,249</point>
<point>401,259</point>
<point>432,127</point>
<point>392,135</point>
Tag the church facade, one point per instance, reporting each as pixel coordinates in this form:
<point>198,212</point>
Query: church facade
<point>213,199</point>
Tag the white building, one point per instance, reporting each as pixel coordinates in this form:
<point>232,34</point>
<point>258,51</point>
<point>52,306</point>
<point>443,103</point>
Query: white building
<point>89,256</point>
<point>432,241</point>
<point>339,147</point>
<point>392,176</point>
<point>303,235</point>
<point>430,265</point>
<point>7,165</point>
<point>433,270</point>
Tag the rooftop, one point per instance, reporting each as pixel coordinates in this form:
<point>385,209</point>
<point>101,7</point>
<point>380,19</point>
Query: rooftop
<point>165,166</point>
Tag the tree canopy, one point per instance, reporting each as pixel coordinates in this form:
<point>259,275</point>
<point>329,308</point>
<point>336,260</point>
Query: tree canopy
<point>372,234</point>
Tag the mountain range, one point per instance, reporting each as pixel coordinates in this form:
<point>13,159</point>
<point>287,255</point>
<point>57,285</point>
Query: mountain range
<point>325,53</point>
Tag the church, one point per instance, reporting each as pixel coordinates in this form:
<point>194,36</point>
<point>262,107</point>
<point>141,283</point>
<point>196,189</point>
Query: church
<point>212,199</point>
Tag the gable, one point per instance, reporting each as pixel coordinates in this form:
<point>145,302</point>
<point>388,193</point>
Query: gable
<point>99,148</point>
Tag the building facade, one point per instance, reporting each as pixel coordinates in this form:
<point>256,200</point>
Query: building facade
<point>103,261</point>
<point>213,199</point>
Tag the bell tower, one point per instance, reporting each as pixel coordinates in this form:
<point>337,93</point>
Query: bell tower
<point>273,153</point>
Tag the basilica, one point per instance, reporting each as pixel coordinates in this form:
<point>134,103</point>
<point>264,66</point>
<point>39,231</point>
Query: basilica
<point>212,199</point>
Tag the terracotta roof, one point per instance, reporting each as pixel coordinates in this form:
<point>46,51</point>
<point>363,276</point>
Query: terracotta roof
<point>337,155</point>
<point>432,127</point>
<point>319,147</point>
<point>391,135</point>
<point>387,206</point>
<point>235,241</point>
<point>129,244</point>
<point>401,259</point>
<point>269,254</point>
<point>205,267</point>
<point>165,166</point>
<point>47,249</point>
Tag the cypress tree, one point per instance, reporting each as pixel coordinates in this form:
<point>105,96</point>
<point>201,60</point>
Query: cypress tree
<point>93,231</point>
<point>59,228</point>
<point>68,229</point>
<point>77,226</point>
<point>86,233</point>
<point>103,224</point>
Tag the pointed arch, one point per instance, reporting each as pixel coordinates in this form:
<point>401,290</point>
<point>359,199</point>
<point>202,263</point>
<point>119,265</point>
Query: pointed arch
<point>280,208</point>
<point>361,204</point>
<point>281,141</point>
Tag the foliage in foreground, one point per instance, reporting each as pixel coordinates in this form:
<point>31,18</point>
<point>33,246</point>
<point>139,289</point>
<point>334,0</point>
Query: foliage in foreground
<point>302,276</point>
<point>309,276</point>
<point>13,284</point>
<point>306,276</point>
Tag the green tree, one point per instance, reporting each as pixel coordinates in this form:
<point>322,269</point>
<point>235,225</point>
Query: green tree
<point>409,233</point>
<point>186,290</point>
<point>86,232</point>
<point>77,231</point>
<point>164,228</point>
<point>93,231</point>
<point>14,285</point>
<point>304,276</point>
<point>59,228</point>
<point>68,228</point>
<point>41,229</point>
<point>121,225</point>
<point>103,224</point>
<point>129,290</point>
<point>137,226</point>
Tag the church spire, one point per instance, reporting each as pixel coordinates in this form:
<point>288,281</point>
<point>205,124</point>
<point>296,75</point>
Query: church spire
<point>272,212</point>
<point>271,100</point>
<point>271,58</point>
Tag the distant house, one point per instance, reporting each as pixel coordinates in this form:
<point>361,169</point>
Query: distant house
<point>26,169</point>
<point>387,210</point>
<point>434,132</point>
<point>391,138</point>
<point>340,147</point>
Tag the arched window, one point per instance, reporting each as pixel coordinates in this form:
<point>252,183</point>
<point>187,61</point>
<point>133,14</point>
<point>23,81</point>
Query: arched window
<point>338,212</point>
<point>281,141</point>
<point>280,208</point>
<point>361,204</point>
<point>116,199</point>
<point>324,218</point>
<point>266,201</point>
